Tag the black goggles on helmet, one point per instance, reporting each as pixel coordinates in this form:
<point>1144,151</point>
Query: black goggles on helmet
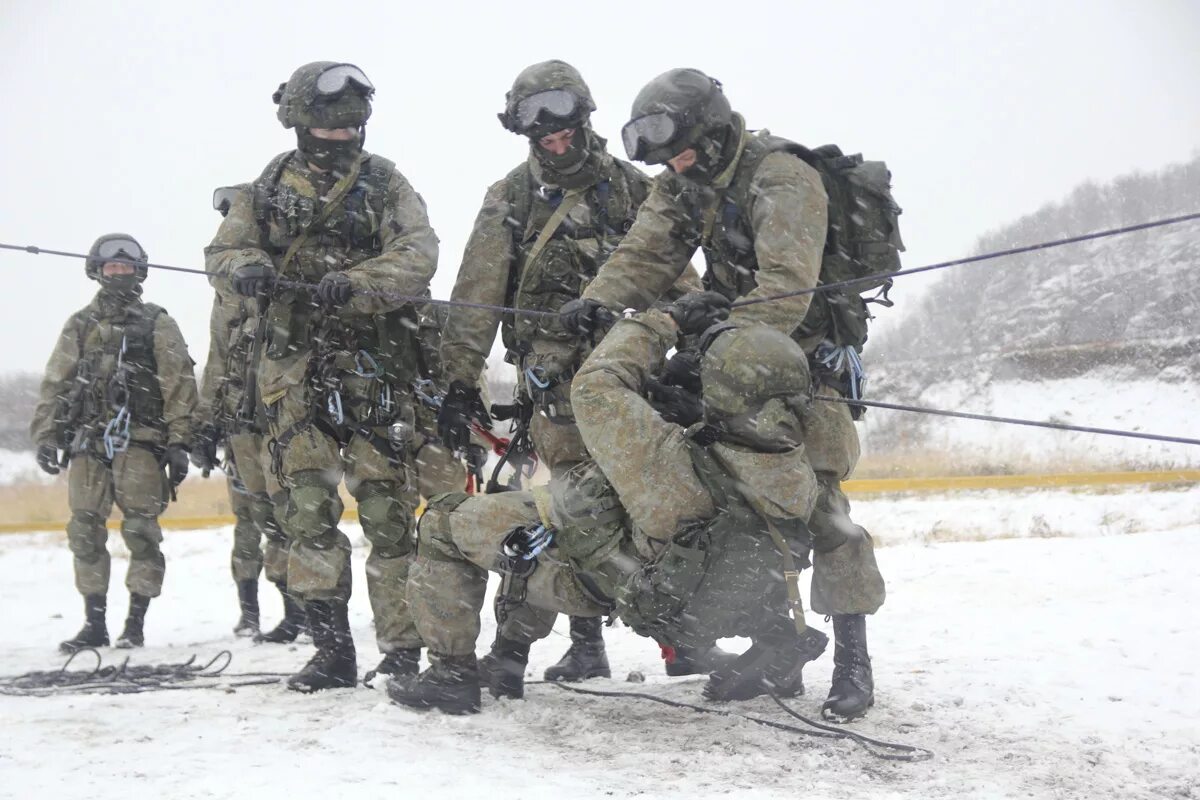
<point>647,133</point>
<point>340,77</point>
<point>551,105</point>
<point>112,249</point>
<point>223,199</point>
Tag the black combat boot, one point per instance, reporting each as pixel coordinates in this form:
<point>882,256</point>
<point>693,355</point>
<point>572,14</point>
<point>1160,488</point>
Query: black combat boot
<point>774,661</point>
<point>405,661</point>
<point>134,623</point>
<point>94,632</point>
<point>290,626</point>
<point>853,689</point>
<point>247,624</point>
<point>451,685</point>
<point>505,672</point>
<point>585,658</point>
<point>334,665</point>
<point>696,660</point>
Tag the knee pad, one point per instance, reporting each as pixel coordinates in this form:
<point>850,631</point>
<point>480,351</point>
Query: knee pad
<point>433,529</point>
<point>86,535</point>
<point>142,535</point>
<point>387,521</point>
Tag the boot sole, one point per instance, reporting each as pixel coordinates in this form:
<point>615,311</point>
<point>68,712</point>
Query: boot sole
<point>841,719</point>
<point>456,709</point>
<point>587,676</point>
<point>338,684</point>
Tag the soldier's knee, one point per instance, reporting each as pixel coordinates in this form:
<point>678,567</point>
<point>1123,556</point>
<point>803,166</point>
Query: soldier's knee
<point>434,538</point>
<point>313,505</point>
<point>142,536</point>
<point>86,535</point>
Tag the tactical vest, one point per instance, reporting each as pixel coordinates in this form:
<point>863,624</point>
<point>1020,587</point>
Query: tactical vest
<point>286,208</point>
<point>571,258</point>
<point>862,239</point>
<point>117,370</point>
<point>236,406</point>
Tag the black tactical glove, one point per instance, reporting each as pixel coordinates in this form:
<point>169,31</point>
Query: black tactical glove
<point>683,370</point>
<point>461,405</point>
<point>204,448</point>
<point>675,403</point>
<point>334,289</point>
<point>176,461</point>
<point>251,280</point>
<point>696,312</point>
<point>582,316</point>
<point>47,458</point>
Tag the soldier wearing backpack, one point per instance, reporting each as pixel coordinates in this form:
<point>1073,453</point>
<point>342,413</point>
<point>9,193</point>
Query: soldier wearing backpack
<point>117,399</point>
<point>231,418</point>
<point>339,360</point>
<point>541,235</point>
<point>772,217</point>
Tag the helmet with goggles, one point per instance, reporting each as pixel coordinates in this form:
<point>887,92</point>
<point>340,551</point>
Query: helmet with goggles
<point>671,113</point>
<point>545,98</point>
<point>119,247</point>
<point>325,94</point>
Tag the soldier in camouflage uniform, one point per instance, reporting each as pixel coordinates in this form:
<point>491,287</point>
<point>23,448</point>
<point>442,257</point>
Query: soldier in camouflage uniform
<point>437,467</point>
<point>684,542</point>
<point>760,215</point>
<point>335,378</point>
<point>230,415</point>
<point>541,235</point>
<point>118,397</point>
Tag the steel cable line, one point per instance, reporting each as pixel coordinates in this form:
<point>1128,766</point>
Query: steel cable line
<point>1060,426</point>
<point>35,250</point>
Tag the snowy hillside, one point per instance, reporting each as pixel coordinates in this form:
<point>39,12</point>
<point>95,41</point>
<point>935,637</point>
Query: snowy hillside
<point>1105,333</point>
<point>1034,668</point>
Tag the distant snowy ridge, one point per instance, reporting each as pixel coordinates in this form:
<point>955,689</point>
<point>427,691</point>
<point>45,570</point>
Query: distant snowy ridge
<point>1103,334</point>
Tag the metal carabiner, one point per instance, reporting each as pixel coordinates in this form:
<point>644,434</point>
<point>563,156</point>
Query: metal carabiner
<point>536,376</point>
<point>386,403</point>
<point>334,406</point>
<point>362,372</point>
<point>116,434</point>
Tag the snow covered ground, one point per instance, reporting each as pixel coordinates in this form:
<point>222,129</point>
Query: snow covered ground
<point>1033,667</point>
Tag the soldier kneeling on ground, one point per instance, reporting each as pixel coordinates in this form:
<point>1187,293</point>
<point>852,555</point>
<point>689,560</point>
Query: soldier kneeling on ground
<point>684,529</point>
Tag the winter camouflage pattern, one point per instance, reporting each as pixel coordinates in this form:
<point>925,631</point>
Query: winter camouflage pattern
<point>379,237</point>
<point>68,417</point>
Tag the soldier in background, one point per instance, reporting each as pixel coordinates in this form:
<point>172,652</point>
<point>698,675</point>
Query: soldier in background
<point>117,399</point>
<point>230,417</point>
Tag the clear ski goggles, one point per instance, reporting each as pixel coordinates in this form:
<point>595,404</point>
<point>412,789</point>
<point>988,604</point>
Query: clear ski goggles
<point>648,133</point>
<point>128,249</point>
<point>223,199</point>
<point>553,104</point>
<point>339,77</point>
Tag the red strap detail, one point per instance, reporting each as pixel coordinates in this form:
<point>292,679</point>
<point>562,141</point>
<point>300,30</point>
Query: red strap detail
<point>668,653</point>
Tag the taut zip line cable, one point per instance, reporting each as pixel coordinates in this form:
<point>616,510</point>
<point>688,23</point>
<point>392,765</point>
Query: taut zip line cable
<point>824,287</point>
<point>35,250</point>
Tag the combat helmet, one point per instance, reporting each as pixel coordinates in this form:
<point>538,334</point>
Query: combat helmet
<point>547,97</point>
<point>672,112</point>
<point>755,384</point>
<point>325,94</point>
<point>116,247</point>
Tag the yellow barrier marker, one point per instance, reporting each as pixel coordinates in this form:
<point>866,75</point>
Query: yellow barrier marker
<point>855,487</point>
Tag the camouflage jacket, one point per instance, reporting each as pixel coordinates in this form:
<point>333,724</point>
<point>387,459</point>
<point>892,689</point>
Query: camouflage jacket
<point>648,461</point>
<point>378,234</point>
<point>496,269</point>
<point>83,376</point>
<point>232,327</point>
<point>783,214</point>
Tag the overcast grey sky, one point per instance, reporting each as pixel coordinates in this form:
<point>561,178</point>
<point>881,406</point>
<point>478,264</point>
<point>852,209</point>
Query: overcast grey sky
<point>126,115</point>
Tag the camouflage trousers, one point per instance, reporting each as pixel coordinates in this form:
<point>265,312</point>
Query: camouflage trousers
<point>845,578</point>
<point>559,447</point>
<point>255,495</point>
<point>136,482</point>
<point>312,464</point>
<point>459,541</point>
<point>437,470</point>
